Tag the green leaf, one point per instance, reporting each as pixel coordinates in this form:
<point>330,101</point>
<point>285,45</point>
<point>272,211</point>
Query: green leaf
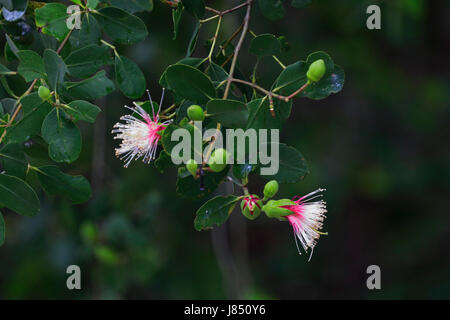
<point>292,165</point>
<point>176,18</point>
<point>133,6</point>
<point>31,122</point>
<point>217,73</point>
<point>92,4</point>
<point>83,110</point>
<point>163,161</point>
<point>190,83</point>
<point>129,77</point>
<point>31,65</point>
<point>92,88</point>
<point>63,137</point>
<point>272,9</point>
<point>193,41</point>
<point>291,78</point>
<point>86,61</point>
<point>300,3</point>
<point>265,45</point>
<point>2,230</point>
<point>17,195</point>
<point>89,33</point>
<point>13,160</point>
<point>294,76</point>
<point>52,19</point>
<point>55,182</point>
<point>189,187</point>
<point>214,212</point>
<point>231,113</point>
<point>4,71</point>
<point>168,144</point>
<point>195,7</point>
<point>261,118</point>
<point>55,67</point>
<point>121,26</point>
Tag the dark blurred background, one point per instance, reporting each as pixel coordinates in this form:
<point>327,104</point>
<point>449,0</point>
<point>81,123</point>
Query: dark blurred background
<point>380,147</point>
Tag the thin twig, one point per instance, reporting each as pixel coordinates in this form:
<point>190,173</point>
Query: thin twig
<point>233,65</point>
<point>238,48</point>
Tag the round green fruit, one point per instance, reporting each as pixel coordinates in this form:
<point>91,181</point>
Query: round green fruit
<point>316,70</point>
<point>195,113</point>
<point>270,189</point>
<point>192,166</point>
<point>251,207</point>
<point>44,93</point>
<point>218,160</point>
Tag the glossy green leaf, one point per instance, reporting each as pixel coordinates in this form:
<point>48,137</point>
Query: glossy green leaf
<point>214,212</point>
<point>86,61</point>
<point>133,6</point>
<point>291,78</point>
<point>190,83</point>
<point>55,182</point>
<point>260,116</point>
<point>331,83</point>
<point>163,161</point>
<point>231,113</point>
<point>300,3</point>
<point>4,71</point>
<point>193,41</point>
<point>292,165</point>
<point>13,160</point>
<point>17,195</point>
<point>63,137</point>
<point>82,110</point>
<point>89,34</point>
<point>92,88</point>
<point>168,144</point>
<point>31,122</point>
<point>92,4</point>
<point>121,26</point>
<point>272,9</point>
<point>195,7</point>
<point>55,67</point>
<point>129,77</point>
<point>51,18</point>
<point>265,45</point>
<point>31,65</point>
<point>189,187</point>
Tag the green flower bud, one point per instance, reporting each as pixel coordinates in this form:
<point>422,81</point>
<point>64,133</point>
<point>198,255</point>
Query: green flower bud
<point>270,189</point>
<point>251,207</point>
<point>44,93</point>
<point>273,208</point>
<point>218,160</point>
<point>316,70</point>
<point>195,113</point>
<point>191,166</point>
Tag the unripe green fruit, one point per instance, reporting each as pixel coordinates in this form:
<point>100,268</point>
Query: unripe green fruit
<point>316,70</point>
<point>273,208</point>
<point>44,93</point>
<point>270,189</point>
<point>251,207</point>
<point>218,160</point>
<point>191,166</point>
<point>195,113</point>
